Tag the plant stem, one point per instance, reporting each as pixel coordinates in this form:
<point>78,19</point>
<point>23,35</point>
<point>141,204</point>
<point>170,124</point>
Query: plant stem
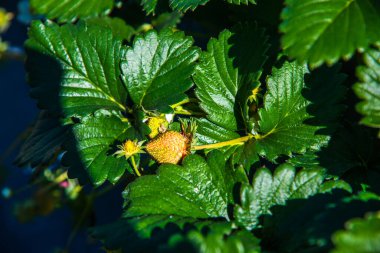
<point>135,167</point>
<point>185,101</point>
<point>233,142</point>
<point>188,113</point>
<point>124,119</point>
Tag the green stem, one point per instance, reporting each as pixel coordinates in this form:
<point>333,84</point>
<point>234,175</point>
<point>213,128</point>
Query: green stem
<point>188,113</point>
<point>233,142</point>
<point>185,101</point>
<point>135,167</point>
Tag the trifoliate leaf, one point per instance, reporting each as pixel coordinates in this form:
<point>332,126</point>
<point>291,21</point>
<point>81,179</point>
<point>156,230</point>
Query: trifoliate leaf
<point>198,189</point>
<point>222,70</point>
<point>361,235</point>
<point>118,26</point>
<point>74,69</point>
<point>282,126</point>
<point>93,145</point>
<point>70,10</point>
<point>44,141</point>
<point>268,190</point>
<point>369,88</point>
<point>306,225</point>
<point>318,32</point>
<point>157,69</point>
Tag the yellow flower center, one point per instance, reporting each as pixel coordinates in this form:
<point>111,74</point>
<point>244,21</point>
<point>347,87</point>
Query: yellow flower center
<point>128,149</point>
<point>131,148</point>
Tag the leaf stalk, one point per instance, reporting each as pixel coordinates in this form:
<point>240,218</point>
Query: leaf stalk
<point>237,141</point>
<point>135,168</point>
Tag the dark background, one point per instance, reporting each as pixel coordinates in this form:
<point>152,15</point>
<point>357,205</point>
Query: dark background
<point>18,111</point>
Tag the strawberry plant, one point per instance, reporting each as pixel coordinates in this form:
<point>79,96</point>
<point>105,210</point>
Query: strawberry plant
<point>236,126</point>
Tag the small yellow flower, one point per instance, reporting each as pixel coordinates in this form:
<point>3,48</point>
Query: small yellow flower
<point>255,94</point>
<point>129,148</point>
<point>5,18</point>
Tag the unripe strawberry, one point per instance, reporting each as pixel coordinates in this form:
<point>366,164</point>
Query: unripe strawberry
<point>168,147</point>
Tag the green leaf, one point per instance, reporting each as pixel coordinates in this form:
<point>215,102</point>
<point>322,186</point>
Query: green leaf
<point>220,237</point>
<point>318,32</point>
<point>161,233</point>
<point>74,69</point>
<point>239,2</point>
<point>282,126</point>
<point>44,141</point>
<point>140,234</point>
<point>225,76</point>
<point>197,189</point>
<point>326,91</point>
<point>149,5</point>
<point>361,235</point>
<point>306,160</point>
<point>222,70</point>
<point>167,20</point>
<point>184,5</point>
<point>157,69</point>
<point>207,132</point>
<point>306,225</point>
<point>118,26</point>
<point>369,88</point>
<point>70,10</point>
<point>350,147</point>
<point>92,147</point>
<point>268,190</point>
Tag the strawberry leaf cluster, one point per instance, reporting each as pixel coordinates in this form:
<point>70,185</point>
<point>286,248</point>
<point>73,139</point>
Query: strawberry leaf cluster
<point>256,145</point>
